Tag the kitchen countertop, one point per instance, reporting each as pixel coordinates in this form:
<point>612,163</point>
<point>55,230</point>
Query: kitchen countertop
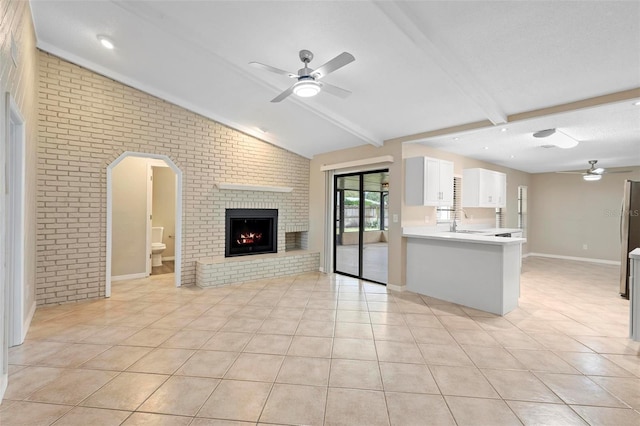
<point>478,236</point>
<point>494,231</point>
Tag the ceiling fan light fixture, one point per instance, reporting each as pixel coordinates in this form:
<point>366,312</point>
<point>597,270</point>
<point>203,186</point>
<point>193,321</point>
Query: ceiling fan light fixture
<point>306,88</point>
<point>591,177</point>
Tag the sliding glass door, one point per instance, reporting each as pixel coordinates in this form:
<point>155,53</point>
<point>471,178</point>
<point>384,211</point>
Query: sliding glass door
<point>361,225</point>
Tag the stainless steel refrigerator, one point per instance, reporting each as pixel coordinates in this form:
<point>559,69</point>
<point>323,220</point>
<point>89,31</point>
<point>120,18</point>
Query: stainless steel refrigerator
<point>629,231</point>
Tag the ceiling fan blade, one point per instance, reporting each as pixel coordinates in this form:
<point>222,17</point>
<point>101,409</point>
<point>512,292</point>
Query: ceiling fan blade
<point>335,90</point>
<point>597,171</point>
<point>573,173</point>
<point>338,62</point>
<point>273,69</point>
<point>617,171</point>
<point>283,95</point>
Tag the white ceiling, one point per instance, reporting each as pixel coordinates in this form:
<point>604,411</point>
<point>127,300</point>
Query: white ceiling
<point>420,66</point>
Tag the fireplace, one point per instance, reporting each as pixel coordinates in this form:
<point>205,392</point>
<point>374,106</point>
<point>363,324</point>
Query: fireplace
<point>251,231</point>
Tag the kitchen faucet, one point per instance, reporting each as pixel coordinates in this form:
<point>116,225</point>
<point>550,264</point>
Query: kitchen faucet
<point>454,225</point>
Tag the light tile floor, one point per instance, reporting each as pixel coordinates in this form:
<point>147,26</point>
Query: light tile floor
<point>325,349</point>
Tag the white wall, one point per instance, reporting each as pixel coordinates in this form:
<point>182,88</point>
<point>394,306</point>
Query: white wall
<point>129,186</point>
<point>164,206</point>
<point>567,212</point>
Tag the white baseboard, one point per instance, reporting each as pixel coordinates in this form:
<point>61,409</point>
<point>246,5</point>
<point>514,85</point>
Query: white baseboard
<point>579,259</point>
<point>129,277</point>
<point>168,258</point>
<point>397,287</point>
<point>321,269</point>
<point>4,381</point>
<point>27,321</point>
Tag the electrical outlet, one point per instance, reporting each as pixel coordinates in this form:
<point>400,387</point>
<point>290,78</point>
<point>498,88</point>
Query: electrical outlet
<point>395,218</point>
<point>585,247</point>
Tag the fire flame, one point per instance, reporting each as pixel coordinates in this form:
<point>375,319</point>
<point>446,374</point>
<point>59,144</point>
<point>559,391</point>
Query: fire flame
<point>249,238</point>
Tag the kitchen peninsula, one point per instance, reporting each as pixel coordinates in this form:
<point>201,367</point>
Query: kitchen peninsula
<point>473,268</point>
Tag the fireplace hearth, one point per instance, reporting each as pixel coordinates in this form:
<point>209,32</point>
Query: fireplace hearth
<point>251,231</point>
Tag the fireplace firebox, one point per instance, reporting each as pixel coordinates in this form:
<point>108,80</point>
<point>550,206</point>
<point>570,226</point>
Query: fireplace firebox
<point>251,231</point>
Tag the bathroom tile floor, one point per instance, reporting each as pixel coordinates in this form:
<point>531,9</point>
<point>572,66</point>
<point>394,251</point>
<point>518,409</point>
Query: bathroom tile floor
<point>325,349</point>
<point>167,267</point>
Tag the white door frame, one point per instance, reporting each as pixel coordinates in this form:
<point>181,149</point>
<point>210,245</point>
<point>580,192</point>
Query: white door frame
<point>329,220</point>
<point>15,230</point>
<point>178,233</point>
<point>149,213</point>
<point>329,224</point>
<point>12,186</point>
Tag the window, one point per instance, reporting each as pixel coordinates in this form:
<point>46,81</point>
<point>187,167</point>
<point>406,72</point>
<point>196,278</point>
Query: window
<point>499,217</point>
<point>522,209</point>
<point>445,214</point>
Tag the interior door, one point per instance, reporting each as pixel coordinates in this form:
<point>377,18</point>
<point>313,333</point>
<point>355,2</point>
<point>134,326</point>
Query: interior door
<point>361,225</point>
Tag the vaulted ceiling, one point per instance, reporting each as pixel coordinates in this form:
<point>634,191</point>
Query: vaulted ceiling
<point>420,67</point>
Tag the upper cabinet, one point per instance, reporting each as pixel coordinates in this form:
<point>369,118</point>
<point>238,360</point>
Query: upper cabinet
<point>428,182</point>
<point>483,188</point>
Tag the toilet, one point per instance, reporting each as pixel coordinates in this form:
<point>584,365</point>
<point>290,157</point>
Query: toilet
<point>157,246</point>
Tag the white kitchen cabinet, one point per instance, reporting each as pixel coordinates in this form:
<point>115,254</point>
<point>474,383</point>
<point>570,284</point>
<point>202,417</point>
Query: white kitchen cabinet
<point>428,182</point>
<point>484,188</point>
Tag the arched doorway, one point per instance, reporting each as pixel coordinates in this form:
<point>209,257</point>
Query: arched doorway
<point>110,212</point>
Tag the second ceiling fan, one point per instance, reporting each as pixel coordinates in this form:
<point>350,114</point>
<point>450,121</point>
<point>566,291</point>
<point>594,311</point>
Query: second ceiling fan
<point>593,172</point>
<point>309,83</point>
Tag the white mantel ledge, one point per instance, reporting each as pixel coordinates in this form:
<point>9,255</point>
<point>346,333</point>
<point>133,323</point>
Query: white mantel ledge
<point>245,187</point>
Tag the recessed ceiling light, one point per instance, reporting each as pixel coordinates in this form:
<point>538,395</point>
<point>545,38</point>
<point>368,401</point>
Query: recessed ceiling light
<point>504,129</point>
<point>637,103</point>
<point>456,139</point>
<point>512,156</point>
<point>486,147</point>
<point>106,42</point>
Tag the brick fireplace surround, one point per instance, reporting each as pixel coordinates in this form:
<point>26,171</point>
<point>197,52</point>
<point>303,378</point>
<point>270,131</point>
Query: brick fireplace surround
<point>291,259</point>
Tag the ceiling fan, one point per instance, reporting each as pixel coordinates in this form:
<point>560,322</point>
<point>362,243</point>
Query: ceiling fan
<point>593,172</point>
<point>309,83</point>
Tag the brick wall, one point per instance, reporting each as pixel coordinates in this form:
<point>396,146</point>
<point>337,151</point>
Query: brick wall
<point>86,121</point>
<point>213,273</point>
